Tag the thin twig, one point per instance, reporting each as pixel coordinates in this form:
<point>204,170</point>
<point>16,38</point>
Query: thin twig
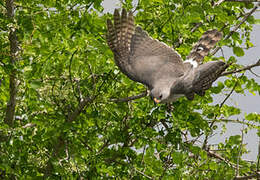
<point>93,78</point>
<point>143,173</point>
<point>247,1</point>
<point>142,162</point>
<point>256,175</point>
<point>167,164</point>
<point>254,73</point>
<point>196,26</point>
<point>234,121</point>
<point>217,156</point>
<point>72,116</point>
<point>70,74</point>
<point>213,122</point>
<point>249,67</point>
<point>258,156</point>
<point>143,94</point>
<point>218,3</point>
<point>86,144</point>
<point>240,150</point>
<point>28,125</point>
<point>223,102</point>
<point>106,143</point>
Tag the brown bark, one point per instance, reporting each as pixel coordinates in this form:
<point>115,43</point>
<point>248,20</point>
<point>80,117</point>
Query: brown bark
<point>10,108</point>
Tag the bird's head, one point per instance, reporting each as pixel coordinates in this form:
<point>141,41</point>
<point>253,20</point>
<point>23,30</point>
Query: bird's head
<point>160,95</point>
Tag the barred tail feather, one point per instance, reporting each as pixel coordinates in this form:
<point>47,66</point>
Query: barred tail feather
<point>111,35</point>
<point>120,34</point>
<point>201,49</point>
<point>130,30</point>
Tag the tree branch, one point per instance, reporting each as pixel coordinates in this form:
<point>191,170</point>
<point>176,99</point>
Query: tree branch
<point>214,155</point>
<point>213,122</point>
<point>240,151</point>
<point>217,156</point>
<point>235,121</point>
<point>143,94</point>
<point>142,173</point>
<point>60,143</point>
<point>256,175</point>
<point>28,125</point>
<point>10,109</point>
<point>258,155</point>
<point>249,67</point>
<point>223,102</point>
<point>242,1</point>
<point>70,74</point>
<point>196,26</point>
<point>72,116</point>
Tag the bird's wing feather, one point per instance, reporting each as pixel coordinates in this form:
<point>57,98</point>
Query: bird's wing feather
<point>207,41</point>
<point>206,74</point>
<point>140,57</point>
<point>153,60</point>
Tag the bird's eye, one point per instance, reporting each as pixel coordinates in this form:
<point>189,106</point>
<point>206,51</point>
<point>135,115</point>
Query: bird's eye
<point>160,96</point>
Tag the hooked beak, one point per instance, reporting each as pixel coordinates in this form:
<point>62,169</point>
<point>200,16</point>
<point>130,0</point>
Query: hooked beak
<point>156,100</point>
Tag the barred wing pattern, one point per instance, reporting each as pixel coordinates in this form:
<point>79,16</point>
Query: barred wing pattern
<point>137,54</point>
<point>159,67</point>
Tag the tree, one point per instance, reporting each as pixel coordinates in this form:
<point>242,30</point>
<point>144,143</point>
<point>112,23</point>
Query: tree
<point>64,109</point>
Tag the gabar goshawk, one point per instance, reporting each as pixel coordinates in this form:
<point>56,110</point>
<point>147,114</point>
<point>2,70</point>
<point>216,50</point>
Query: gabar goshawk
<point>159,67</point>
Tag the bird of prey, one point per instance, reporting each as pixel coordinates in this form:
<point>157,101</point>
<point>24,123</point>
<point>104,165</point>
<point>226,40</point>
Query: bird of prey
<point>158,66</point>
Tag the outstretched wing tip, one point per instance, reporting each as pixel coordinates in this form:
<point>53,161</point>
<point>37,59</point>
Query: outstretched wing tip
<point>116,11</point>
<point>136,53</point>
<point>207,41</point>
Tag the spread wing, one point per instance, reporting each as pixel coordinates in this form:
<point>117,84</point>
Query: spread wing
<point>206,74</point>
<point>139,56</point>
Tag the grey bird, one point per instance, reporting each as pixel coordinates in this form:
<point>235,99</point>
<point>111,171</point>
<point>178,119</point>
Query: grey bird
<point>158,66</point>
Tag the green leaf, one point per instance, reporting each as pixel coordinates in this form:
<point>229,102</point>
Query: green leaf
<point>251,19</point>
<point>35,84</point>
<point>66,127</point>
<point>177,157</point>
<point>257,21</point>
<point>238,51</point>
<point>253,117</point>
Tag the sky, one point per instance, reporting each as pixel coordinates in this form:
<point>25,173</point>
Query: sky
<point>248,102</point>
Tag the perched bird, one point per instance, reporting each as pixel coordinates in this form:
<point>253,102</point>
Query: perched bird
<point>158,66</point>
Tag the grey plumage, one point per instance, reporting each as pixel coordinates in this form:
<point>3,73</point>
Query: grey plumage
<point>158,66</point>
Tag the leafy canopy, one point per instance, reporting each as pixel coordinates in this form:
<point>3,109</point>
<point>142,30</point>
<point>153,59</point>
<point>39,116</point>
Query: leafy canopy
<point>66,124</point>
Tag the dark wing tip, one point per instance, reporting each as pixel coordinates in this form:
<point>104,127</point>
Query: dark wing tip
<point>219,35</point>
<point>202,48</point>
<point>116,12</point>
<point>109,24</point>
<point>124,12</point>
<point>116,16</point>
<point>212,34</point>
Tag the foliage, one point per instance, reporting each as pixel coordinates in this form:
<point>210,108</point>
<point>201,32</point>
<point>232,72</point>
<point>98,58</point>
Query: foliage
<point>66,125</point>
